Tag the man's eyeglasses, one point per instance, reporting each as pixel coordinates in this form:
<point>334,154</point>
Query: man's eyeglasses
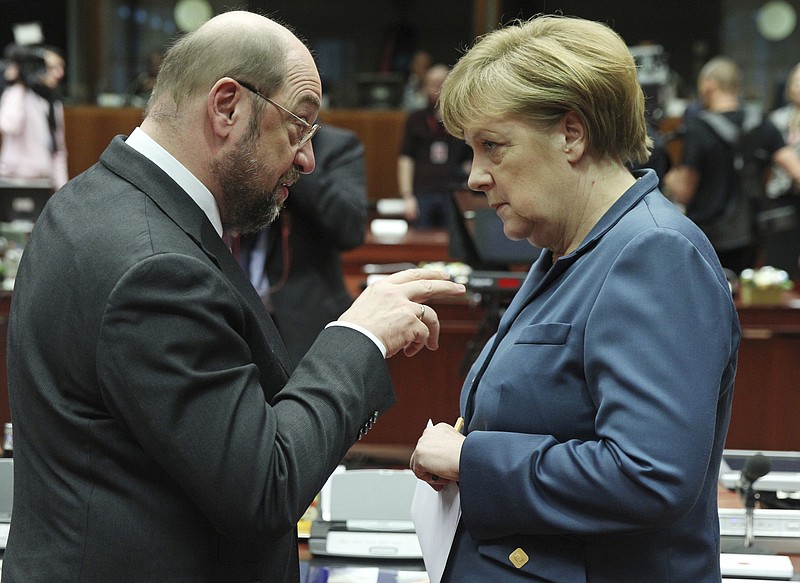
<point>307,130</point>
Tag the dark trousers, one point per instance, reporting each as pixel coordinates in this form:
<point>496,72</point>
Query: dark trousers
<point>434,210</point>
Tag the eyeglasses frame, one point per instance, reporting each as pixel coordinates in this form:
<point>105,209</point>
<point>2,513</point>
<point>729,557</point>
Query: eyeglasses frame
<point>309,129</point>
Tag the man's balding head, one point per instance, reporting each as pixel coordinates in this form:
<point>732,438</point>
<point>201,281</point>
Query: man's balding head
<point>236,44</point>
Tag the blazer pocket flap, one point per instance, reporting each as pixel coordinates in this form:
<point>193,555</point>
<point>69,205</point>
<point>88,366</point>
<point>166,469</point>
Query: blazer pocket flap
<point>547,333</point>
<point>547,559</point>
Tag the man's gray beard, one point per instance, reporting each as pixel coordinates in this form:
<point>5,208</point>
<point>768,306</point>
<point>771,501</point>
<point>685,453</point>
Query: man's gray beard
<point>259,215</point>
<point>246,212</point>
<point>247,206</point>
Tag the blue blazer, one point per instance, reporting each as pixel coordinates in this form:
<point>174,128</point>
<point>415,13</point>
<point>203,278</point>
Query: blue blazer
<point>597,415</point>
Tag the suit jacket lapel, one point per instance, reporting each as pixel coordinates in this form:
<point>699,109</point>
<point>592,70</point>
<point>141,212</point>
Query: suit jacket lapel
<point>215,247</point>
<point>179,206</point>
<point>534,281</point>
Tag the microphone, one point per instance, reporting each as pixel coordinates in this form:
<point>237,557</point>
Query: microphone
<point>757,466</point>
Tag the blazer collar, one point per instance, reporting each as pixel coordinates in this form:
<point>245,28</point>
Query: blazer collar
<point>179,206</point>
<point>647,181</point>
<point>145,175</point>
<point>543,272</point>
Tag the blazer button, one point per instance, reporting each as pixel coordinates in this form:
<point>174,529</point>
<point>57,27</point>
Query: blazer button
<point>518,558</point>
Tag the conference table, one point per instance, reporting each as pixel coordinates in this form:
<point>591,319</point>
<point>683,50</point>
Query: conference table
<point>365,455</point>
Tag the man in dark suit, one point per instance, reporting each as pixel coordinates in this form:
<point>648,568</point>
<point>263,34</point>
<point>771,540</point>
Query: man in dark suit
<point>295,263</point>
<point>160,431</point>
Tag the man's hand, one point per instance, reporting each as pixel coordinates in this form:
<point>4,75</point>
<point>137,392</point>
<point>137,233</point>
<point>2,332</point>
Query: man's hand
<point>393,309</point>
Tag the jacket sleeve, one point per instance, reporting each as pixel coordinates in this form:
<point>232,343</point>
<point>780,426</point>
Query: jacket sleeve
<point>176,369</point>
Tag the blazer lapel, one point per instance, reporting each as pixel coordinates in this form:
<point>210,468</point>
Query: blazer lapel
<point>179,206</point>
<point>222,256</point>
<point>534,281</point>
<point>543,272</point>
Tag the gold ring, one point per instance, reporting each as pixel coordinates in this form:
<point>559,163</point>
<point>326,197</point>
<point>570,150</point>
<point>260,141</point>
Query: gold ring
<point>421,311</point>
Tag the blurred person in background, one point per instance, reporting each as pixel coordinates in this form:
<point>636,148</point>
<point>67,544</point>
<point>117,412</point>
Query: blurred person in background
<point>295,263</point>
<point>707,181</point>
<point>414,96</point>
<point>787,120</point>
<point>430,160</point>
<point>32,117</point>
<point>782,249</point>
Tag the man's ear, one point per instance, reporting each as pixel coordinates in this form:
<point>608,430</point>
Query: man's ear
<point>224,105</point>
<point>574,136</point>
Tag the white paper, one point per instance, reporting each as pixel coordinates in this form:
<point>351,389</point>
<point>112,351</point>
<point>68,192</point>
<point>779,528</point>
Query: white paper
<point>354,575</point>
<point>435,516</point>
<point>764,566</point>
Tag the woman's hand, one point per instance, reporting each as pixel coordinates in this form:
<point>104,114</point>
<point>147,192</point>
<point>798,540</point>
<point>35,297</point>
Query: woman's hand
<point>437,455</point>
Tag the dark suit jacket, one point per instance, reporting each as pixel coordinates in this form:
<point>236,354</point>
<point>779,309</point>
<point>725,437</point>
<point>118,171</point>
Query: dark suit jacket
<point>161,434</point>
<point>325,214</point>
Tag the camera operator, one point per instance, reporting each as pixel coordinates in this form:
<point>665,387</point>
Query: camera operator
<point>32,117</point>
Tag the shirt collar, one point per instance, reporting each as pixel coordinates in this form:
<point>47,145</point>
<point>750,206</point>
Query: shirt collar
<point>149,148</point>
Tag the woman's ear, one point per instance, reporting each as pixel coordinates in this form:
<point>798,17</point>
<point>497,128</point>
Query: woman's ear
<point>574,136</point>
<point>224,105</point>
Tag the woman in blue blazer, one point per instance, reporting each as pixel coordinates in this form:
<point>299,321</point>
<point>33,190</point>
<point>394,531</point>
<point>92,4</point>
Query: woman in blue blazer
<point>596,416</point>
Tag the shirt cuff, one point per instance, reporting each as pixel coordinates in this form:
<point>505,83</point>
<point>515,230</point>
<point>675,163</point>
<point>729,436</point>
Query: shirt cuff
<point>364,331</point>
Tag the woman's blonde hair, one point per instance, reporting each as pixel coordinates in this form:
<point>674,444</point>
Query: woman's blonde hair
<point>540,69</point>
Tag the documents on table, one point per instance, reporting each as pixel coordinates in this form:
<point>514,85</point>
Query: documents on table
<point>772,567</point>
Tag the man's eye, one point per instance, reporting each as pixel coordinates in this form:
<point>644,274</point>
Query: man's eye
<point>302,130</point>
